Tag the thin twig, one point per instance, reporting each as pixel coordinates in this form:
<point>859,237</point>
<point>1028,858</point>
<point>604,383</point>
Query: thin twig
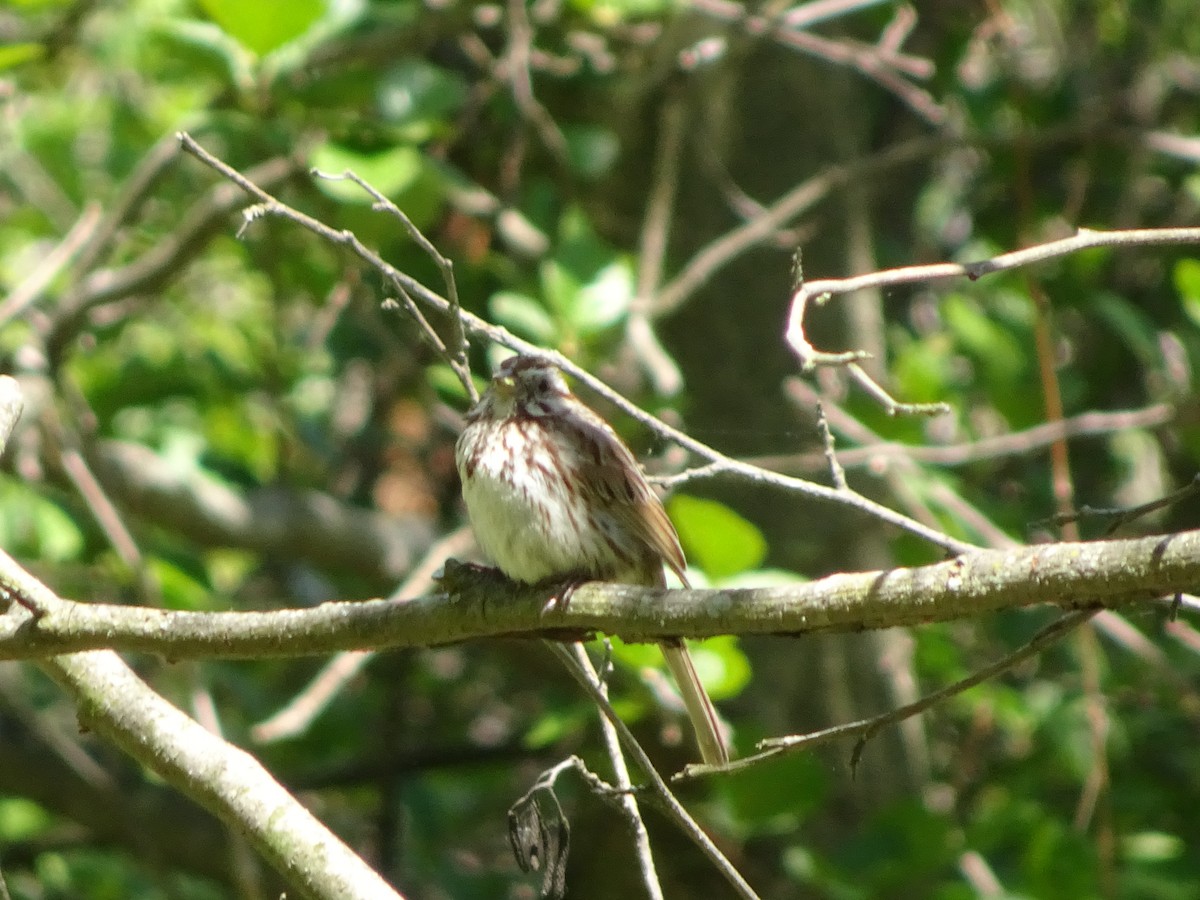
<point>821,290</point>
<point>31,287</point>
<point>456,352</point>
<point>1123,515</point>
<point>652,252</point>
<point>627,799</point>
<point>836,473</point>
<point>881,62</point>
<point>1084,239</point>
<point>917,503</point>
<point>804,196</point>
<point>890,405</point>
<point>865,729</point>
<point>878,453</point>
<point>302,710</point>
<point>268,205</point>
<point>671,805</point>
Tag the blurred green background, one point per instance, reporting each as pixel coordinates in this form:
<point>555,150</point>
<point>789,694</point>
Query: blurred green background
<point>157,346</point>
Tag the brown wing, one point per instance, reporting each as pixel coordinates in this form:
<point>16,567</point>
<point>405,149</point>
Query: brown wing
<point>620,483</point>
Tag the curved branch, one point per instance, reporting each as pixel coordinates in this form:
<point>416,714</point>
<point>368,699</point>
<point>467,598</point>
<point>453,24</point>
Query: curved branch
<point>1083,239</point>
<point>1068,575</point>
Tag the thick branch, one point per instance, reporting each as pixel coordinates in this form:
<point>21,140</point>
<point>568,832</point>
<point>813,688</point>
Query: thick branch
<point>229,782</point>
<point>1068,575</point>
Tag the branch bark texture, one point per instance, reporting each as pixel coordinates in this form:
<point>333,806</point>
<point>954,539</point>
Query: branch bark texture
<point>1068,575</point>
<point>229,782</point>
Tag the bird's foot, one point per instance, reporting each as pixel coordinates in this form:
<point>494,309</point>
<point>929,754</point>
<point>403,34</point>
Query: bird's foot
<point>456,576</point>
<point>562,590</point>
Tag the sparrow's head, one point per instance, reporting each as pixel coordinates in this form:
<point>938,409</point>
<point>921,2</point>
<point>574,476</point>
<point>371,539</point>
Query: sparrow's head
<point>527,384</point>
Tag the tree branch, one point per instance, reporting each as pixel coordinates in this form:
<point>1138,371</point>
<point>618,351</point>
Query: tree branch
<point>229,782</point>
<point>1068,575</point>
<point>1085,238</point>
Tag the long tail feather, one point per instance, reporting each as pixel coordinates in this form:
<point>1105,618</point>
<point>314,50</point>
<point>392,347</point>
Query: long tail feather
<point>695,699</point>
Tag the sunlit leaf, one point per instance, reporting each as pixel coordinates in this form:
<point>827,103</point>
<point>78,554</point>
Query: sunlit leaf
<point>390,172</point>
<point>21,819</point>
<point>1187,283</point>
<point>415,94</point>
<point>715,538</point>
<point>265,25</point>
<point>33,525</point>
<point>12,55</point>
<point>180,588</point>
<point>591,149</point>
<point>447,383</point>
<point>524,315</point>
<point>1152,846</point>
<point>401,173</point>
<point>604,300</point>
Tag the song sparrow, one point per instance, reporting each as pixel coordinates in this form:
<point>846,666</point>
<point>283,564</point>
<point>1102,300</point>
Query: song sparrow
<point>553,493</point>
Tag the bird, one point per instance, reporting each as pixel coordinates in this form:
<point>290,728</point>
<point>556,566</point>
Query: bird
<point>553,493</point>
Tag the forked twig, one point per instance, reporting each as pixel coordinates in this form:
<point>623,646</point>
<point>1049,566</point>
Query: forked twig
<point>658,786</point>
<point>865,729</point>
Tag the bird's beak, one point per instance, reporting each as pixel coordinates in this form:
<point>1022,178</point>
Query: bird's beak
<point>504,386</point>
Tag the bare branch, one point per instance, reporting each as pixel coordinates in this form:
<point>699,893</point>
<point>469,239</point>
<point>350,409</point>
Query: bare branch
<point>231,783</point>
<point>1068,575</point>
<point>11,406</point>
<point>867,728</point>
<point>628,802</point>
<point>30,289</point>
<point>820,291</point>
<point>268,205</point>
<point>652,250</point>
<point>1083,240</point>
<point>590,682</point>
<point>804,196</point>
<point>878,453</point>
<point>456,353</point>
<point>303,709</point>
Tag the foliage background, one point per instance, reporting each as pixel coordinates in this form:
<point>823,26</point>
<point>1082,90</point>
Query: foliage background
<point>527,143</point>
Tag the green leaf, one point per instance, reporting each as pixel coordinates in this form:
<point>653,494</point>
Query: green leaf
<point>21,819</point>
<point>267,24</point>
<point>591,149</point>
<point>717,540</point>
<point>401,173</point>
<point>211,43</point>
<point>1152,846</point>
<point>756,798</point>
<point>34,526</point>
<point>922,370</point>
<point>12,55</point>
<point>560,285</point>
<point>604,300</point>
<point>524,315</point>
<point>555,725</point>
<point>389,172</point>
<point>420,97</point>
<point>180,589</point>
<point>443,380</point>
<point>1187,283</point>
<point>985,339</point>
<point>724,668</point>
